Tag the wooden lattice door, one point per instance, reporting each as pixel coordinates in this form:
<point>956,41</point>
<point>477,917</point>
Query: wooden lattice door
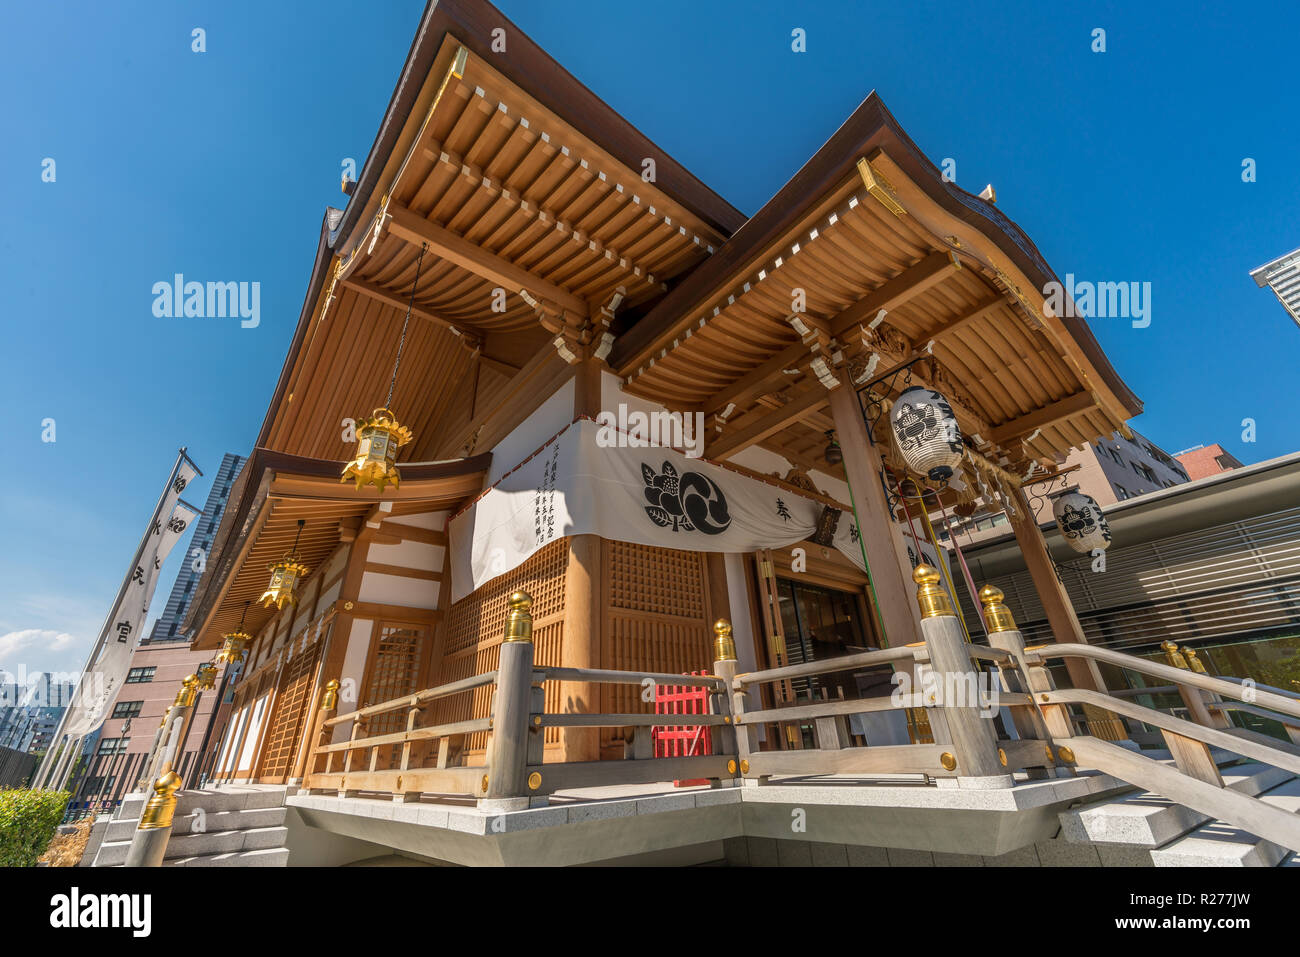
<point>291,703</point>
<point>396,669</point>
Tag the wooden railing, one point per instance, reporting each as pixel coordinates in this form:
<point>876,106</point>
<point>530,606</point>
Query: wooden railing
<point>1195,779</point>
<point>946,668</point>
<point>1045,731</point>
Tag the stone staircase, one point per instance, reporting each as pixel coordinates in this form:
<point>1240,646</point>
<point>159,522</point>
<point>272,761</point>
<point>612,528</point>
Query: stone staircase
<point>1159,832</point>
<point>229,826</point>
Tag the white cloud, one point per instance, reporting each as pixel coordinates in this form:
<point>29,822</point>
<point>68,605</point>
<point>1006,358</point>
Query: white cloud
<point>41,649</point>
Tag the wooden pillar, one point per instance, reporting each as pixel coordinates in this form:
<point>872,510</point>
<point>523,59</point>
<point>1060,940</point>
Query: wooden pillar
<point>583,608</point>
<point>862,467</point>
<point>1055,600</point>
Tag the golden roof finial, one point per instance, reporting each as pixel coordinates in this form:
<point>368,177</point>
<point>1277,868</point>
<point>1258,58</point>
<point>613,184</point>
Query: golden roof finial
<point>519,624</point>
<point>997,615</point>
<point>1173,655</point>
<point>724,646</point>
<point>930,596</point>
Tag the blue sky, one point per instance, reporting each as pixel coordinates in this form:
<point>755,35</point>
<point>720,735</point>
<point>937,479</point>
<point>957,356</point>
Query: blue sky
<point>1122,166</point>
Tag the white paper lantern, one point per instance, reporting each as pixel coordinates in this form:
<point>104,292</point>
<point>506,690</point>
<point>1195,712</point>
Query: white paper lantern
<point>927,433</point>
<point>1081,522</point>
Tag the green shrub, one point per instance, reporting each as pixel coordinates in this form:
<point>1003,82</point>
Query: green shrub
<point>28,820</point>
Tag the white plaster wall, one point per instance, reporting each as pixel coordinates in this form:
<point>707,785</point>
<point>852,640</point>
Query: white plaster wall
<point>432,520</point>
<point>549,418</point>
<point>354,663</point>
<point>246,756</point>
<point>398,590</point>
<point>408,554</point>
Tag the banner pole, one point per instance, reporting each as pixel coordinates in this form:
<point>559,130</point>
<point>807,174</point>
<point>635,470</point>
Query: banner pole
<point>43,776</point>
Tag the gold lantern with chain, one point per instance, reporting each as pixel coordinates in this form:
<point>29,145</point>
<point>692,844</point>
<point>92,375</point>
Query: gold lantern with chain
<point>207,675</point>
<point>380,435</point>
<point>285,575</point>
<point>379,438</point>
<point>234,644</point>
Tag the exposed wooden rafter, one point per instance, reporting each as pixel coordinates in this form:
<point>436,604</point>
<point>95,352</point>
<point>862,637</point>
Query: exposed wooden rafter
<point>911,282</point>
<point>446,245</point>
<point>1043,417</point>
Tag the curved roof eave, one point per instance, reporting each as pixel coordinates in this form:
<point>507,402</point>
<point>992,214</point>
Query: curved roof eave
<point>871,125</point>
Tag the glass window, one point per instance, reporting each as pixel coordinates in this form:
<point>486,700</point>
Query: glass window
<point>1122,492</point>
<point>139,675</point>
<point>113,745</point>
<point>127,709</point>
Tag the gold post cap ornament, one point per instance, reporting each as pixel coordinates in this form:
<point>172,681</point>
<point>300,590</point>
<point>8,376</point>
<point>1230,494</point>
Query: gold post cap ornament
<point>930,596</point>
<point>189,690</point>
<point>162,805</point>
<point>1193,662</point>
<point>330,700</point>
<point>996,614</point>
<point>519,624</point>
<point>724,646</point>
<point>1173,655</point>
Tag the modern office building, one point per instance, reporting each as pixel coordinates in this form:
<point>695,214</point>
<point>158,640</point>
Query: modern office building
<point>1213,564</point>
<point>1113,469</point>
<point>167,627</point>
<point>1202,461</point>
<point>30,713</point>
<point>1282,275</point>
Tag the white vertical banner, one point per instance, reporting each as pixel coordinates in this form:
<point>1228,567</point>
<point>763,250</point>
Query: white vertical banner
<point>590,479</point>
<point>104,676</point>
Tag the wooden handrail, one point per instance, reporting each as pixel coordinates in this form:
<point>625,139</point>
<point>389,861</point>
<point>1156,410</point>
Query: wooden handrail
<point>418,698</point>
<point>1138,692</point>
<point>601,676</point>
<point>1179,676</point>
<point>845,663</point>
<point>1282,719</point>
<point>1167,722</point>
<point>416,734</point>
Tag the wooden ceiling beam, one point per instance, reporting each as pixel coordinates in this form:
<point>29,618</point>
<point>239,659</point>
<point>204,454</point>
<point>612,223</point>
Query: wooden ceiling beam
<point>752,383</point>
<point>911,282</point>
<point>765,425</point>
<point>457,250</point>
<point>390,298</point>
<point>1042,417</point>
<point>979,312</point>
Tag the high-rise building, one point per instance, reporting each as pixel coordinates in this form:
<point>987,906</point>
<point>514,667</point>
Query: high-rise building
<point>1282,275</point>
<point>167,627</point>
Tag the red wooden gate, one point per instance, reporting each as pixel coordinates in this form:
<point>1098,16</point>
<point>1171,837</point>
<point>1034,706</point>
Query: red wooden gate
<point>673,742</point>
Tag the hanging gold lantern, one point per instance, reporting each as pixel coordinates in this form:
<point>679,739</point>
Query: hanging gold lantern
<point>285,575</point>
<point>234,644</point>
<point>207,675</point>
<point>233,648</point>
<point>381,435</point>
<point>379,438</point>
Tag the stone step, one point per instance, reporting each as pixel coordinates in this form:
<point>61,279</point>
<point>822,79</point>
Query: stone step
<point>184,846</point>
<point>267,857</point>
<point>1149,820</point>
<point>1221,845</point>
<point>225,842</point>
<point>214,821</point>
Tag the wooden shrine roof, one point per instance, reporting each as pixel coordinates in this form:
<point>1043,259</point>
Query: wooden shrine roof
<point>275,490</point>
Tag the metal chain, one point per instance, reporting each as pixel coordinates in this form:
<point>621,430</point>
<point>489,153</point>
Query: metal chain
<point>392,383</point>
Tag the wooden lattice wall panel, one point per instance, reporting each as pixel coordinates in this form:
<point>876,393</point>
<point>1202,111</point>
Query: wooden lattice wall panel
<point>476,624</point>
<point>394,671</point>
<point>656,619</point>
<point>292,701</point>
